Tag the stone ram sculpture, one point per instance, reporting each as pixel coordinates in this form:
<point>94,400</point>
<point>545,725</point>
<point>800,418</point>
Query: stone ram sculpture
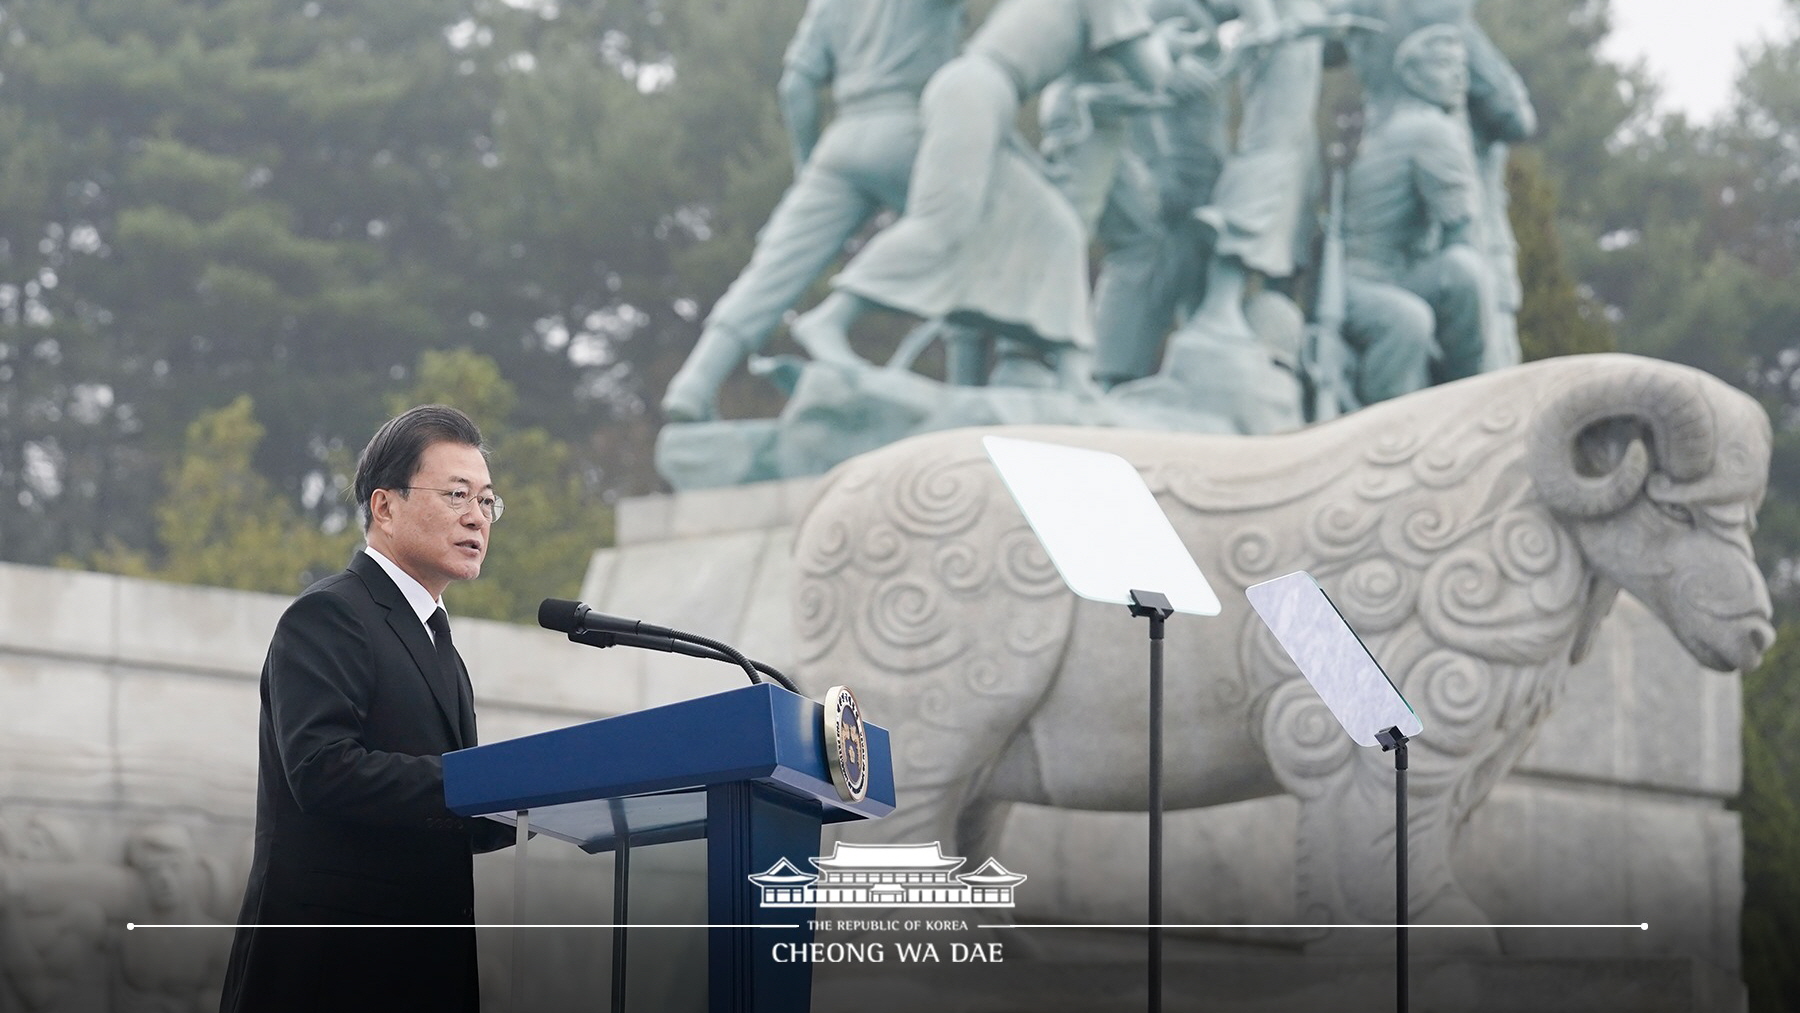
<point>1474,534</point>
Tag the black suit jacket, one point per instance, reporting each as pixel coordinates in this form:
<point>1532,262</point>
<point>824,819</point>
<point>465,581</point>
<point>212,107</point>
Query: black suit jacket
<point>351,826</point>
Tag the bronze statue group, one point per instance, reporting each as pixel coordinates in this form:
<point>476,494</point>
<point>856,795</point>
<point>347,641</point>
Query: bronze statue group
<point>1226,294</point>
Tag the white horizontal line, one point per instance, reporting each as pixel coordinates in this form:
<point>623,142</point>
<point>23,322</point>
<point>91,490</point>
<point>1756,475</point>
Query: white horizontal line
<point>1640,926</point>
<point>134,926</point>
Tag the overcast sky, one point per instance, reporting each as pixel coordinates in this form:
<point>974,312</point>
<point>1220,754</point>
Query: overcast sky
<point>1691,46</point>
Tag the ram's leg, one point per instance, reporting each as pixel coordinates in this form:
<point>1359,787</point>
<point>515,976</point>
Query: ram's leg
<point>1345,871</point>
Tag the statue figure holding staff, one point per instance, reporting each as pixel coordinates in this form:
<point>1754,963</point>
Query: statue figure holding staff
<point>986,239</point>
<point>876,55</point>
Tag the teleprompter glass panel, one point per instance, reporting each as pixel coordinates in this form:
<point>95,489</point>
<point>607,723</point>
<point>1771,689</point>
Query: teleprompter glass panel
<point>1099,524</point>
<point>1331,657</point>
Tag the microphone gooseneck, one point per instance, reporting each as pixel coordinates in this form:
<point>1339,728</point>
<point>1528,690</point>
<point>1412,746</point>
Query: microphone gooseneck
<point>596,629</point>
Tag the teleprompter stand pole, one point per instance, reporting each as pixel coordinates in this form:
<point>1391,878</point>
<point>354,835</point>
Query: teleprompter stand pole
<point>1393,741</point>
<point>1155,607</point>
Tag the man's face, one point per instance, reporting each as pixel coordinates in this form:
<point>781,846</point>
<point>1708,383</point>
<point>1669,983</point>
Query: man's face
<point>1439,74</point>
<point>421,532</point>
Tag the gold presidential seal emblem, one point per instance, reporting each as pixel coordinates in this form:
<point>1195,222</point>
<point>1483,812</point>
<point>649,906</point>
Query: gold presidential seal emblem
<point>846,744</point>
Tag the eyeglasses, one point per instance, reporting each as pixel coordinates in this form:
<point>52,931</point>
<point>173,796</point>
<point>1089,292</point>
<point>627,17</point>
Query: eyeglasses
<point>491,506</point>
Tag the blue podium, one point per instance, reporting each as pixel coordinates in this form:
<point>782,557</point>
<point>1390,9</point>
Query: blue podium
<point>745,770</point>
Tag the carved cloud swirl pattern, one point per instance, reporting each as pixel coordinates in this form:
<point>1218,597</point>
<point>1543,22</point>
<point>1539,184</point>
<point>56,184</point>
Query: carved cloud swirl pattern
<point>941,498</point>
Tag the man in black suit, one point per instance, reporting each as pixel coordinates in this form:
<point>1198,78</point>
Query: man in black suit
<point>362,693</point>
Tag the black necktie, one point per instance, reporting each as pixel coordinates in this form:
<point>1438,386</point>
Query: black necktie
<point>451,672</point>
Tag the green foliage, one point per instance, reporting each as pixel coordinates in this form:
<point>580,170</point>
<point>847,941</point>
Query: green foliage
<point>1770,805</point>
<point>1751,234</point>
<point>1582,101</point>
<point>201,200</point>
<point>195,200</point>
<point>1704,273</point>
<point>221,524</point>
<point>1554,318</point>
<point>462,379</point>
<point>1686,236</point>
<point>626,184</point>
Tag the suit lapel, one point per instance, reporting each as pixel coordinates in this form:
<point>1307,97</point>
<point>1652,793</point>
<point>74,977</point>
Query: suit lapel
<point>406,626</point>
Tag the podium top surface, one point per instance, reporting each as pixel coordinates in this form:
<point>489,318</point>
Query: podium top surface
<point>760,733</point>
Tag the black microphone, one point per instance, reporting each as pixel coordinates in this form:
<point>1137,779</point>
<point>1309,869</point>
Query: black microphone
<point>572,617</point>
<point>597,629</point>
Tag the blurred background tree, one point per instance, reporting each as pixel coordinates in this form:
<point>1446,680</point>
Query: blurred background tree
<point>221,523</point>
<point>200,201</point>
<point>1685,237</point>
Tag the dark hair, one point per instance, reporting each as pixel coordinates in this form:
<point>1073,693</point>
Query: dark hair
<point>392,456</point>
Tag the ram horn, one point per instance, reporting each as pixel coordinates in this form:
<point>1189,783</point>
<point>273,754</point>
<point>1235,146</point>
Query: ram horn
<point>1587,451</point>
